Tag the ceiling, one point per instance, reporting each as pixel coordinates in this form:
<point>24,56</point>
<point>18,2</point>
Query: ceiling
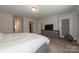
<point>42,12</point>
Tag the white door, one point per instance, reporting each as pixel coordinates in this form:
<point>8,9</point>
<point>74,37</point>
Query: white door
<point>64,27</point>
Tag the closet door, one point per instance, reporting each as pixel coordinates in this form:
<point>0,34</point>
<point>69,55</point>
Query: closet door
<point>65,27</point>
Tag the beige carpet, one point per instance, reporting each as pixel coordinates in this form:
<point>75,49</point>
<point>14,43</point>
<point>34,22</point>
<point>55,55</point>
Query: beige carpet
<point>61,46</point>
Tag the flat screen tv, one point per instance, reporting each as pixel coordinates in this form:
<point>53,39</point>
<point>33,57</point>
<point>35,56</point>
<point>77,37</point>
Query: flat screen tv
<point>49,27</point>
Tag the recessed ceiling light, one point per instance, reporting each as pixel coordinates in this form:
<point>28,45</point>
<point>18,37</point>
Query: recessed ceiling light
<point>34,9</point>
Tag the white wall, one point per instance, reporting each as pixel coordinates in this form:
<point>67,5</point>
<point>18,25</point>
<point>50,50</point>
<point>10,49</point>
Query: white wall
<point>78,29</point>
<point>39,27</point>
<point>78,25</point>
<point>6,21</point>
<point>55,20</point>
<point>50,20</point>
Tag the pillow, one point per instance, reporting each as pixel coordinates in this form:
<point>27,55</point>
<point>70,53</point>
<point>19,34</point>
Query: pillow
<point>2,35</point>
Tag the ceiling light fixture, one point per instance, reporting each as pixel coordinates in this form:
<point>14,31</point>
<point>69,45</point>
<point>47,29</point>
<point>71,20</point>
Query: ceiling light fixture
<point>34,9</point>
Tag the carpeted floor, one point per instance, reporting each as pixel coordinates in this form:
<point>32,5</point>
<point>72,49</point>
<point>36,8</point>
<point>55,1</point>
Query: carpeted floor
<point>62,46</point>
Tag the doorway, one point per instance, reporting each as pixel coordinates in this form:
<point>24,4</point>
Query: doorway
<point>18,25</point>
<point>31,27</point>
<point>64,27</point>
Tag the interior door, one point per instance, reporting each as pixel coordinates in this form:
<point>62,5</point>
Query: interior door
<point>64,27</point>
<point>18,25</point>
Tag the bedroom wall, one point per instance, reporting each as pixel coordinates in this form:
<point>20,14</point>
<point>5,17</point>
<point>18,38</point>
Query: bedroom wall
<point>78,29</point>
<point>6,21</point>
<point>78,25</point>
<point>56,21</point>
<point>50,20</point>
<point>38,26</point>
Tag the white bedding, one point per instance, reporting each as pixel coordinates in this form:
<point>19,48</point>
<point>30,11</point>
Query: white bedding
<point>22,42</point>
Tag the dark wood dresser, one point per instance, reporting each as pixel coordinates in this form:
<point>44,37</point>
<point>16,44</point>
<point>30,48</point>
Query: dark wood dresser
<point>49,33</point>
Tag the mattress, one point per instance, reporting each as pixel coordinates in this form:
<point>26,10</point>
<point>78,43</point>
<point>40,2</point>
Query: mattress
<point>43,49</point>
<point>22,42</point>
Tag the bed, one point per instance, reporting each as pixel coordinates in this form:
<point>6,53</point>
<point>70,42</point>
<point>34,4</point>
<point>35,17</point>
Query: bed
<point>23,42</point>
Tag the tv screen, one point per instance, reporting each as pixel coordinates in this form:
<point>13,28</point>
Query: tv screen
<point>49,27</point>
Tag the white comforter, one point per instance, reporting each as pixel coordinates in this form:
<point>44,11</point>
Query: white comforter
<point>22,42</point>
